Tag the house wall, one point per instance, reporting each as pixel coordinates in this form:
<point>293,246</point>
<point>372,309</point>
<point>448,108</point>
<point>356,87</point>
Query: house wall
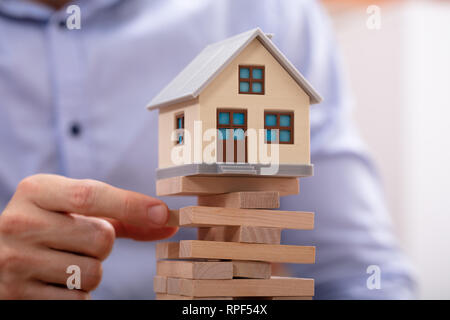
<point>167,125</point>
<point>281,93</point>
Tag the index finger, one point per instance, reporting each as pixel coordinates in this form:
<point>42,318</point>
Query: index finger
<point>93,198</point>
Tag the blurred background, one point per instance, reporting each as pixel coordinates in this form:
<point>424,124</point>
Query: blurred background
<point>400,77</point>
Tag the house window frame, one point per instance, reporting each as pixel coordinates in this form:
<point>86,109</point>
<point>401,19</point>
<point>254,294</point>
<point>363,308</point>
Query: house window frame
<point>233,127</point>
<point>231,112</point>
<point>181,130</point>
<point>250,79</point>
<point>278,126</point>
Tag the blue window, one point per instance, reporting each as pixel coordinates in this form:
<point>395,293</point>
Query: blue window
<point>271,135</point>
<point>283,122</point>
<point>224,118</point>
<point>231,123</point>
<point>244,73</point>
<point>251,79</point>
<point>244,86</point>
<point>257,73</point>
<point>257,87</point>
<point>179,124</point>
<point>271,120</point>
<point>223,134</point>
<point>238,118</point>
<point>238,134</point>
<point>285,135</point>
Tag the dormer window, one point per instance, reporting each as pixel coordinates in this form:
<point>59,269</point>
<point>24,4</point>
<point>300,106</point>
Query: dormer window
<point>251,79</point>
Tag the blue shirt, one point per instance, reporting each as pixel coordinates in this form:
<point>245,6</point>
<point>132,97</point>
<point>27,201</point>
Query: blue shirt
<point>72,102</point>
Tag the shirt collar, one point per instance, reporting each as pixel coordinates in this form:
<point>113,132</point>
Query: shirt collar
<point>29,10</point>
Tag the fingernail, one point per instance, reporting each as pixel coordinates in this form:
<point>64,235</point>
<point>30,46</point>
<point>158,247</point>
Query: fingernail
<point>158,214</point>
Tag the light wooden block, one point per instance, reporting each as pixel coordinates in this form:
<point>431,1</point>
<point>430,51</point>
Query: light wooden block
<point>174,218</point>
<point>242,200</point>
<point>167,250</point>
<point>246,251</point>
<point>195,269</point>
<point>198,216</point>
<point>252,269</point>
<point>241,269</point>
<point>246,234</point>
<point>164,296</point>
<point>197,249</point>
<point>160,284</point>
<point>272,298</point>
<point>241,287</point>
<point>291,298</point>
<point>206,185</point>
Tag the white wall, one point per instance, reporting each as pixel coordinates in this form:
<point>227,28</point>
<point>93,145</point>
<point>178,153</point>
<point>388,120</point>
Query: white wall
<point>408,126</point>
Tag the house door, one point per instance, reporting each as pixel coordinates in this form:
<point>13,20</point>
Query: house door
<point>231,140</point>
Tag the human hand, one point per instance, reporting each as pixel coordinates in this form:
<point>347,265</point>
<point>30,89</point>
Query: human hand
<point>53,222</point>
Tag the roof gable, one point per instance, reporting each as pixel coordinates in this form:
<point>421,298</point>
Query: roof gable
<point>191,81</point>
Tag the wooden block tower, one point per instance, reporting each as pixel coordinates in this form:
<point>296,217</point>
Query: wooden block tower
<point>234,131</point>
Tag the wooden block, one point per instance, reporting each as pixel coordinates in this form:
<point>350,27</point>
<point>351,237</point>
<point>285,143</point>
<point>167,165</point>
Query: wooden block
<point>205,185</point>
<point>291,298</point>
<point>252,269</point>
<point>174,218</point>
<point>247,234</point>
<point>241,269</point>
<point>197,249</point>
<point>164,296</point>
<point>242,200</point>
<point>195,269</point>
<point>167,250</point>
<point>246,251</point>
<point>241,287</point>
<point>272,298</point>
<point>197,216</point>
<point>160,284</point>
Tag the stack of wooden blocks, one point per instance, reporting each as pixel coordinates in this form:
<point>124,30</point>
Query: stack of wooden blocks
<point>239,236</point>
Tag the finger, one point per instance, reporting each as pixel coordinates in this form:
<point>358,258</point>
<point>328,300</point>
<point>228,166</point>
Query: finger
<point>93,198</point>
<point>90,236</point>
<point>42,291</point>
<point>51,267</point>
<point>140,233</point>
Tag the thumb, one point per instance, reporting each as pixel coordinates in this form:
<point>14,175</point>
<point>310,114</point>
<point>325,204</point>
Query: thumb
<point>93,198</point>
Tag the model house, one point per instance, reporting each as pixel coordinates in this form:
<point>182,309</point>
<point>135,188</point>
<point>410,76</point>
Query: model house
<point>239,106</point>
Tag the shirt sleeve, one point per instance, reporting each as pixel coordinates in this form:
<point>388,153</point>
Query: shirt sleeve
<point>353,229</point>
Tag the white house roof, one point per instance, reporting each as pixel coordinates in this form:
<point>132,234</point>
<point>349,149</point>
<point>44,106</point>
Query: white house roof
<point>190,82</point>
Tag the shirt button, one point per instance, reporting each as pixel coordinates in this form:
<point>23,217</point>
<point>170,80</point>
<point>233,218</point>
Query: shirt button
<point>62,24</point>
<point>75,129</point>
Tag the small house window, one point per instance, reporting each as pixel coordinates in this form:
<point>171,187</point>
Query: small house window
<point>231,120</point>
<point>281,121</point>
<point>251,79</point>
<point>179,125</point>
